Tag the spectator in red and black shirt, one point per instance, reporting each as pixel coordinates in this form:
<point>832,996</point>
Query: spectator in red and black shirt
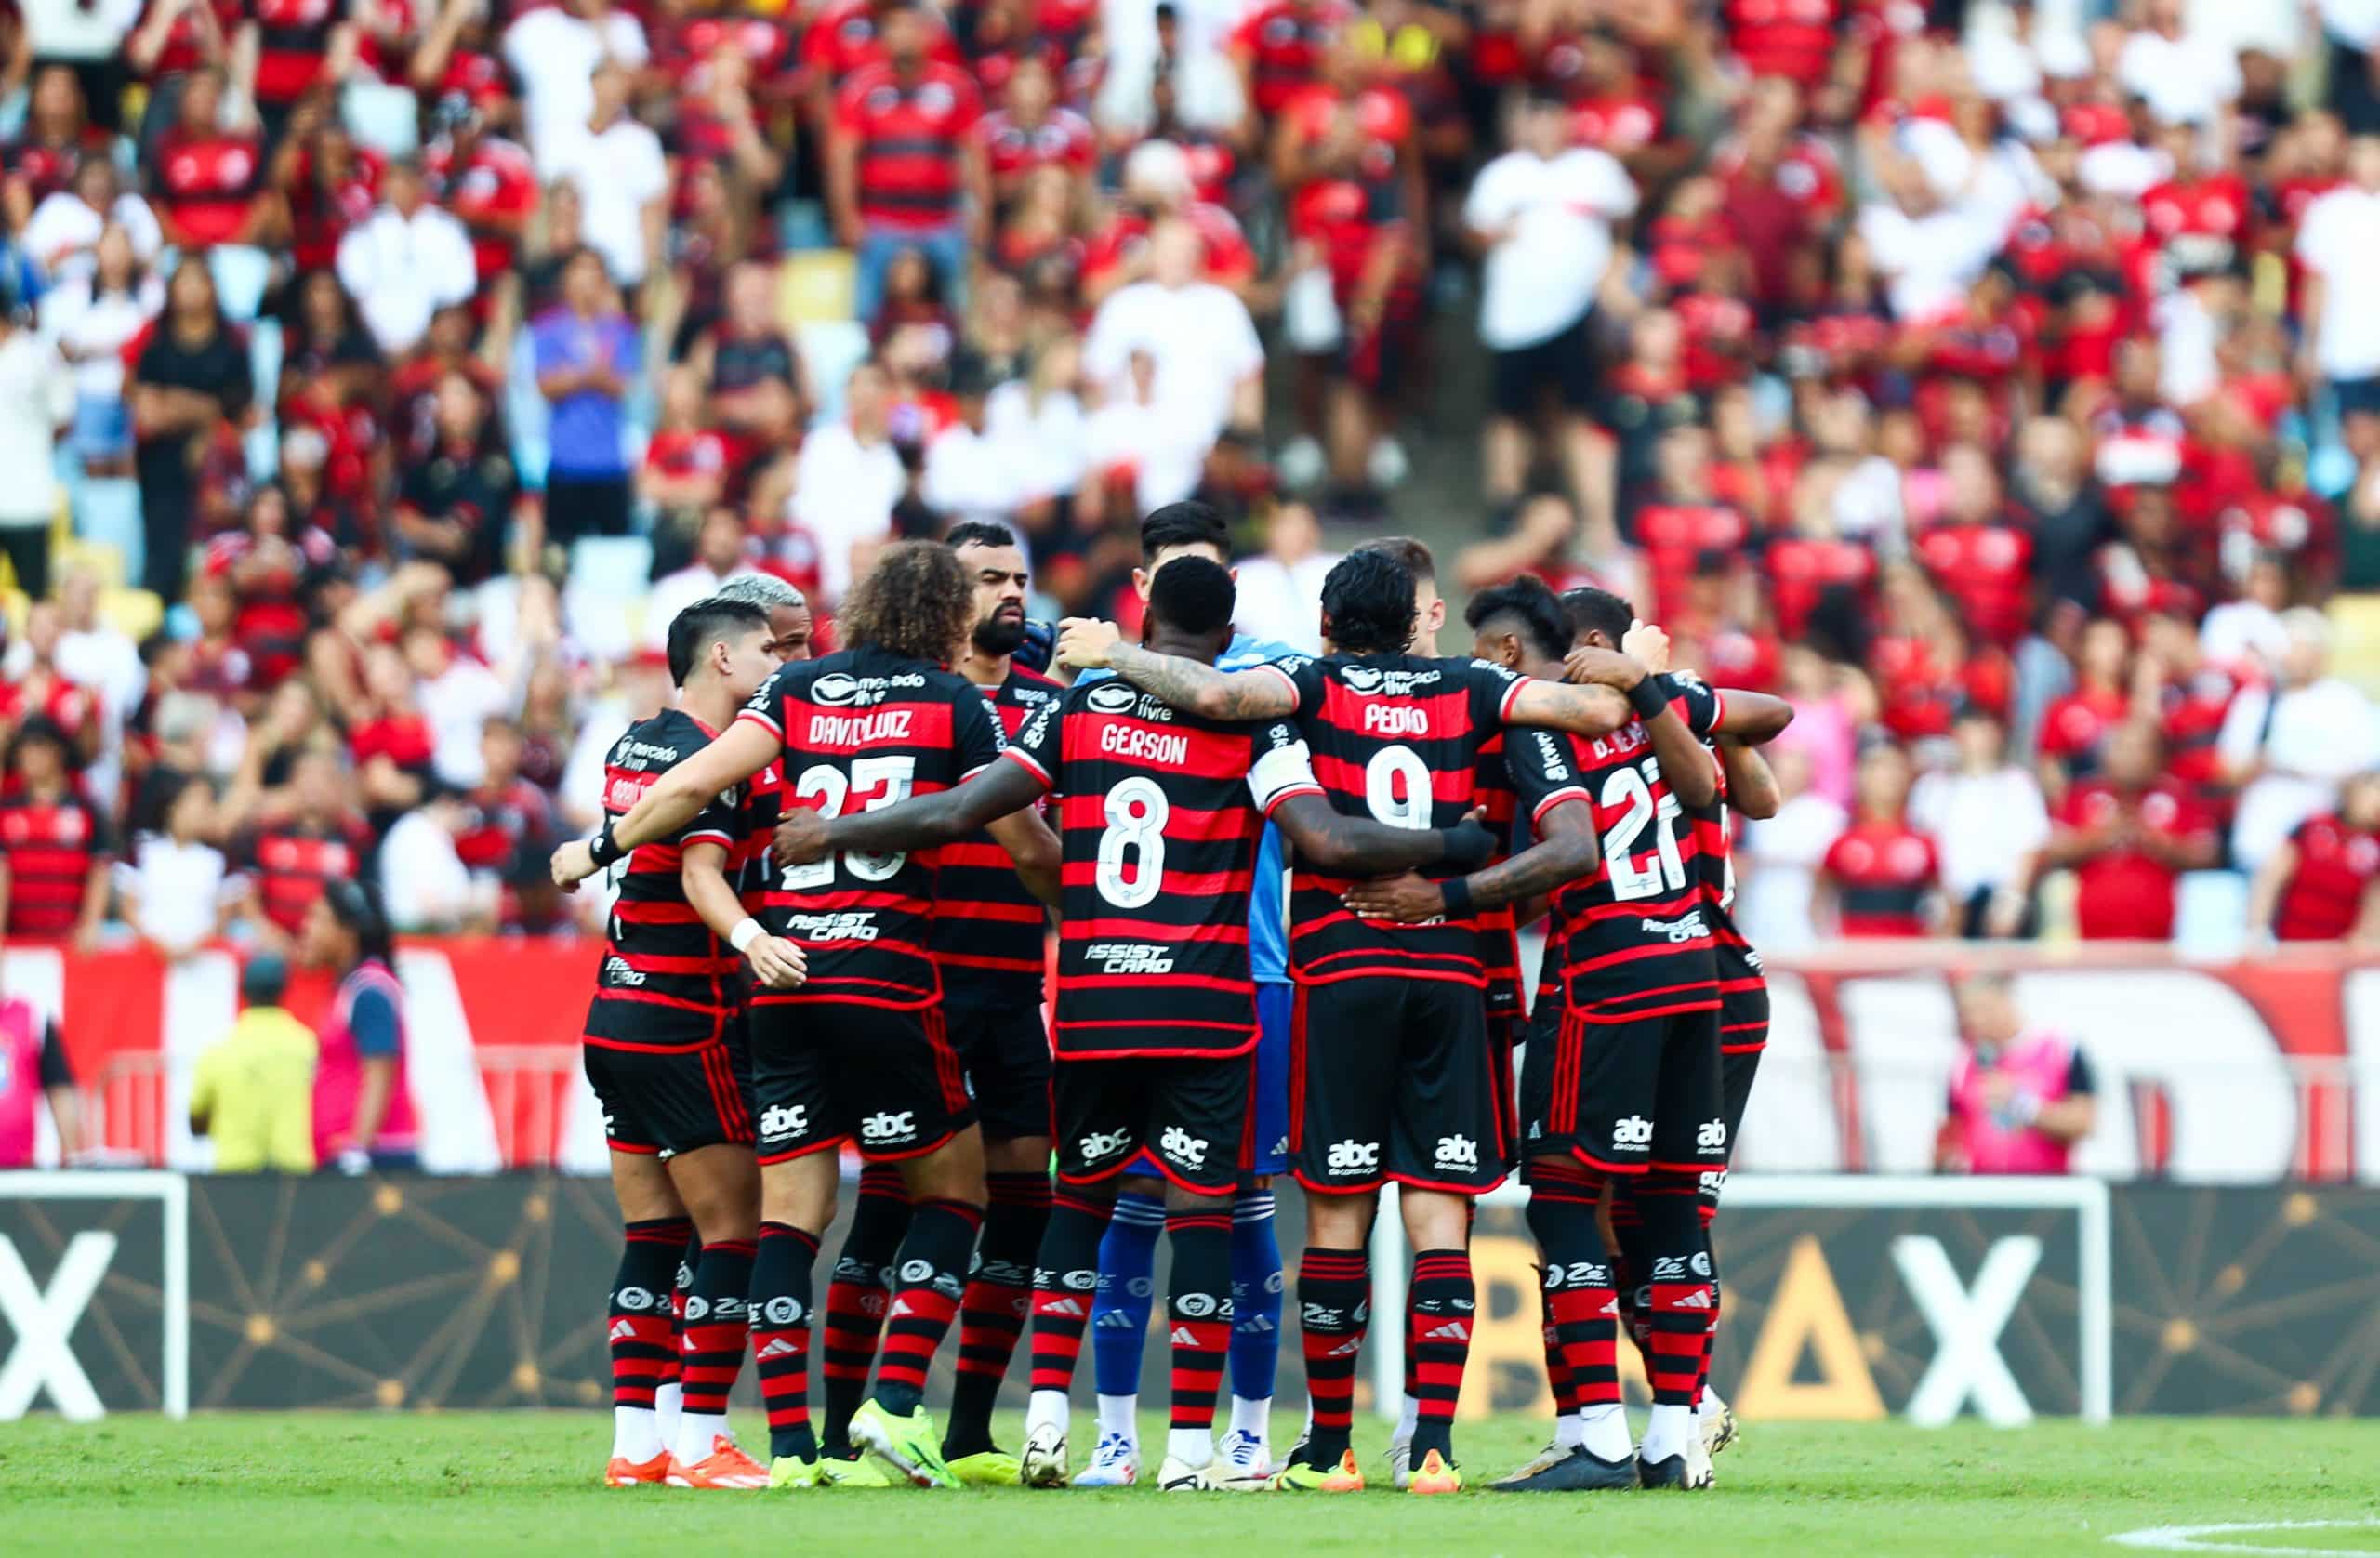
<point>904,168</point>
<point>1975,554</point>
<point>292,857</point>
<point>210,181</point>
<point>488,182</point>
<point>55,845</point>
<point>1031,129</point>
<point>330,182</point>
<point>298,45</point>
<point>454,502</point>
<point>41,158</point>
<point>1279,49</point>
<point>1882,873</point>
<point>2317,885</point>
<point>2129,835</point>
<point>747,364</point>
<point>2074,729</point>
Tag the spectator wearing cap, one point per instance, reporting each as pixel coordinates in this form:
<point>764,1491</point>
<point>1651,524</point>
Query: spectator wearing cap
<point>54,846</point>
<point>1986,816</point>
<point>253,1090</point>
<point>1542,213</point>
<point>363,1115</point>
<point>2128,833</point>
<point>2288,746</point>
<point>34,1071</point>
<point>36,404</point>
<point>587,353</point>
<point>904,167</point>
<point>406,261</point>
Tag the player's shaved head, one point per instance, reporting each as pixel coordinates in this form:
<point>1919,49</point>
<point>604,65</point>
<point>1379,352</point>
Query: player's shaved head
<point>707,622</point>
<point>1527,609</point>
<point>1367,605</point>
<point>1599,612</point>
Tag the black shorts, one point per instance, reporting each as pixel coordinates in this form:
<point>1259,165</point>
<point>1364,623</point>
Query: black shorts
<point>1564,362</point>
<point>1005,1050</point>
<point>826,1072</point>
<point>670,1099</point>
<point>1642,1092</point>
<point>1395,1079</point>
<point>1190,1113</point>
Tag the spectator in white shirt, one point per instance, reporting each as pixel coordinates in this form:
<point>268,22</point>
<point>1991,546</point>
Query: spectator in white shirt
<point>1542,213</point>
<point>718,557</point>
<point>424,883</point>
<point>406,261</point>
<point>1988,822</point>
<point>36,401</point>
<point>90,321</point>
<point>2290,746</point>
<point>2336,241</point>
<point>1038,423</point>
<point>456,694</point>
<point>1133,441</point>
<point>1280,589</point>
<point>847,480</point>
<point>1779,858</point>
<point>177,892</point>
<point>555,50</point>
<point>2186,77</point>
<point>62,235</point>
<point>621,175</point>
<point>968,475</point>
<point>1209,364</point>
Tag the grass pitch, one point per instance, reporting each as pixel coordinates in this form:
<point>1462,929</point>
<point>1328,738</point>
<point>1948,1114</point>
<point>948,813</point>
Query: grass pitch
<point>327,1483</point>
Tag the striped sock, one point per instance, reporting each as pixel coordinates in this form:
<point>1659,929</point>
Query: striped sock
<point>993,1311</point>
<point>1334,1302</point>
<point>1198,1314</point>
<point>857,1291</point>
<point>781,1291</point>
<point>931,1268</point>
<point>1064,1275</point>
<point>713,1351</point>
<point>1438,1315</point>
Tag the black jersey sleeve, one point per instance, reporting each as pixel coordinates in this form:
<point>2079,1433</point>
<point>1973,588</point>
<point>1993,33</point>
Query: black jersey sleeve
<point>1697,703</point>
<point>1544,771</point>
<point>766,707</point>
<point>1304,675</point>
<point>1492,690</point>
<point>976,739</point>
<point>1038,745</point>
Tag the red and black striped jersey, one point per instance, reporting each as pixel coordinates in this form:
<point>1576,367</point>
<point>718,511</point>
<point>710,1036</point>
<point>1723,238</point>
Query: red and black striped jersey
<point>658,954</point>
<point>1714,836</point>
<point>860,731</point>
<point>1395,737</point>
<point>763,805</point>
<point>988,928</point>
<point>1159,817</point>
<point>1499,948</point>
<point>1633,938</point>
<point>292,862</point>
<point>49,847</point>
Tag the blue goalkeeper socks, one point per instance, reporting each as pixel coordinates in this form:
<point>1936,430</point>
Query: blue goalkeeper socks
<point>1120,1314</point>
<point>1255,1296</point>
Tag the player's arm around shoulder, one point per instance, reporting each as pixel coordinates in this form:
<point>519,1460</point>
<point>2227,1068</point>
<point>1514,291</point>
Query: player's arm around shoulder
<point>1261,693</point>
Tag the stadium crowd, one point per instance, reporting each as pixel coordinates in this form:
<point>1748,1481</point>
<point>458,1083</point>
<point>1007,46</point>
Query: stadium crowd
<point>1988,379</point>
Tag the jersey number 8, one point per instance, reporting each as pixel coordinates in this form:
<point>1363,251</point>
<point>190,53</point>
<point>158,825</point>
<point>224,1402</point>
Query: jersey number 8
<point>1136,813</point>
<point>1632,789</point>
<point>889,778</point>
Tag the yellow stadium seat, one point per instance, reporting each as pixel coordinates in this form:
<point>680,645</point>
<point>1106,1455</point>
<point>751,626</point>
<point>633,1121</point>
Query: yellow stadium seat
<point>2355,626</point>
<point>133,613</point>
<point>103,559</point>
<point>816,286</point>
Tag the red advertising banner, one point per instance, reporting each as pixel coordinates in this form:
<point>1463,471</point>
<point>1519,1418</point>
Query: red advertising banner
<point>2243,1072</point>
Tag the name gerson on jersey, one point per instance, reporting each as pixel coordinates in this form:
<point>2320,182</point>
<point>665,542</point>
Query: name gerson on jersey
<point>860,731</point>
<point>664,979</point>
<point>988,927</point>
<point>1395,737</point>
<point>1632,939</point>
<point>1159,817</point>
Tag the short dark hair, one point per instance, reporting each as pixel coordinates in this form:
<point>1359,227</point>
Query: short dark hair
<point>1531,605</point>
<point>1407,551</point>
<point>979,533</point>
<point>705,623</point>
<point>1597,610</point>
<point>1368,603</point>
<point>1193,595</point>
<point>1188,523</point>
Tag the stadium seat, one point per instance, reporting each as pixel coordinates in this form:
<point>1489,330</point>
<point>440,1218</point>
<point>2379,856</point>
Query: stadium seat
<point>102,560</point>
<point>815,287</point>
<point>241,276</point>
<point>2355,620</point>
<point>831,352</point>
<point>385,118</point>
<point>135,614</point>
<point>2211,914</point>
<point>106,514</point>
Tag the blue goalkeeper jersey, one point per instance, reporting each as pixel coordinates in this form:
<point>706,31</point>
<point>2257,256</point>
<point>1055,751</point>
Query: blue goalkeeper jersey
<point>1268,930</point>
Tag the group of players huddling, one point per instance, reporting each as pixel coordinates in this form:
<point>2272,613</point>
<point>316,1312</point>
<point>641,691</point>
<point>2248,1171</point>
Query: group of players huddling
<point>828,931</point>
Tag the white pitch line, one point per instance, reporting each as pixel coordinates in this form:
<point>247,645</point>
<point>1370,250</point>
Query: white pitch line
<point>2185,1538</point>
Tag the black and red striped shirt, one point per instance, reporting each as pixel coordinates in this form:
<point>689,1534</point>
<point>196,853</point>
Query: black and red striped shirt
<point>659,953</point>
<point>1284,43</point>
<point>988,929</point>
<point>1395,737</point>
<point>1500,950</point>
<point>2323,898</point>
<point>1739,971</point>
<point>293,41</point>
<point>1631,939</point>
<point>49,847</point>
<point>910,136</point>
<point>293,862</point>
<point>1160,818</point>
<point>863,729</point>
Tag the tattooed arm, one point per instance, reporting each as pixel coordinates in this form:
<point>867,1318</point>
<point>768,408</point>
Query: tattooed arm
<point>1185,685</point>
<point>1565,850</point>
<point>1330,841</point>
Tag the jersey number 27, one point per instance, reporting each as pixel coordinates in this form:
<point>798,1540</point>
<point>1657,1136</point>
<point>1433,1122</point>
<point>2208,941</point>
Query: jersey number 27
<point>880,782</point>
